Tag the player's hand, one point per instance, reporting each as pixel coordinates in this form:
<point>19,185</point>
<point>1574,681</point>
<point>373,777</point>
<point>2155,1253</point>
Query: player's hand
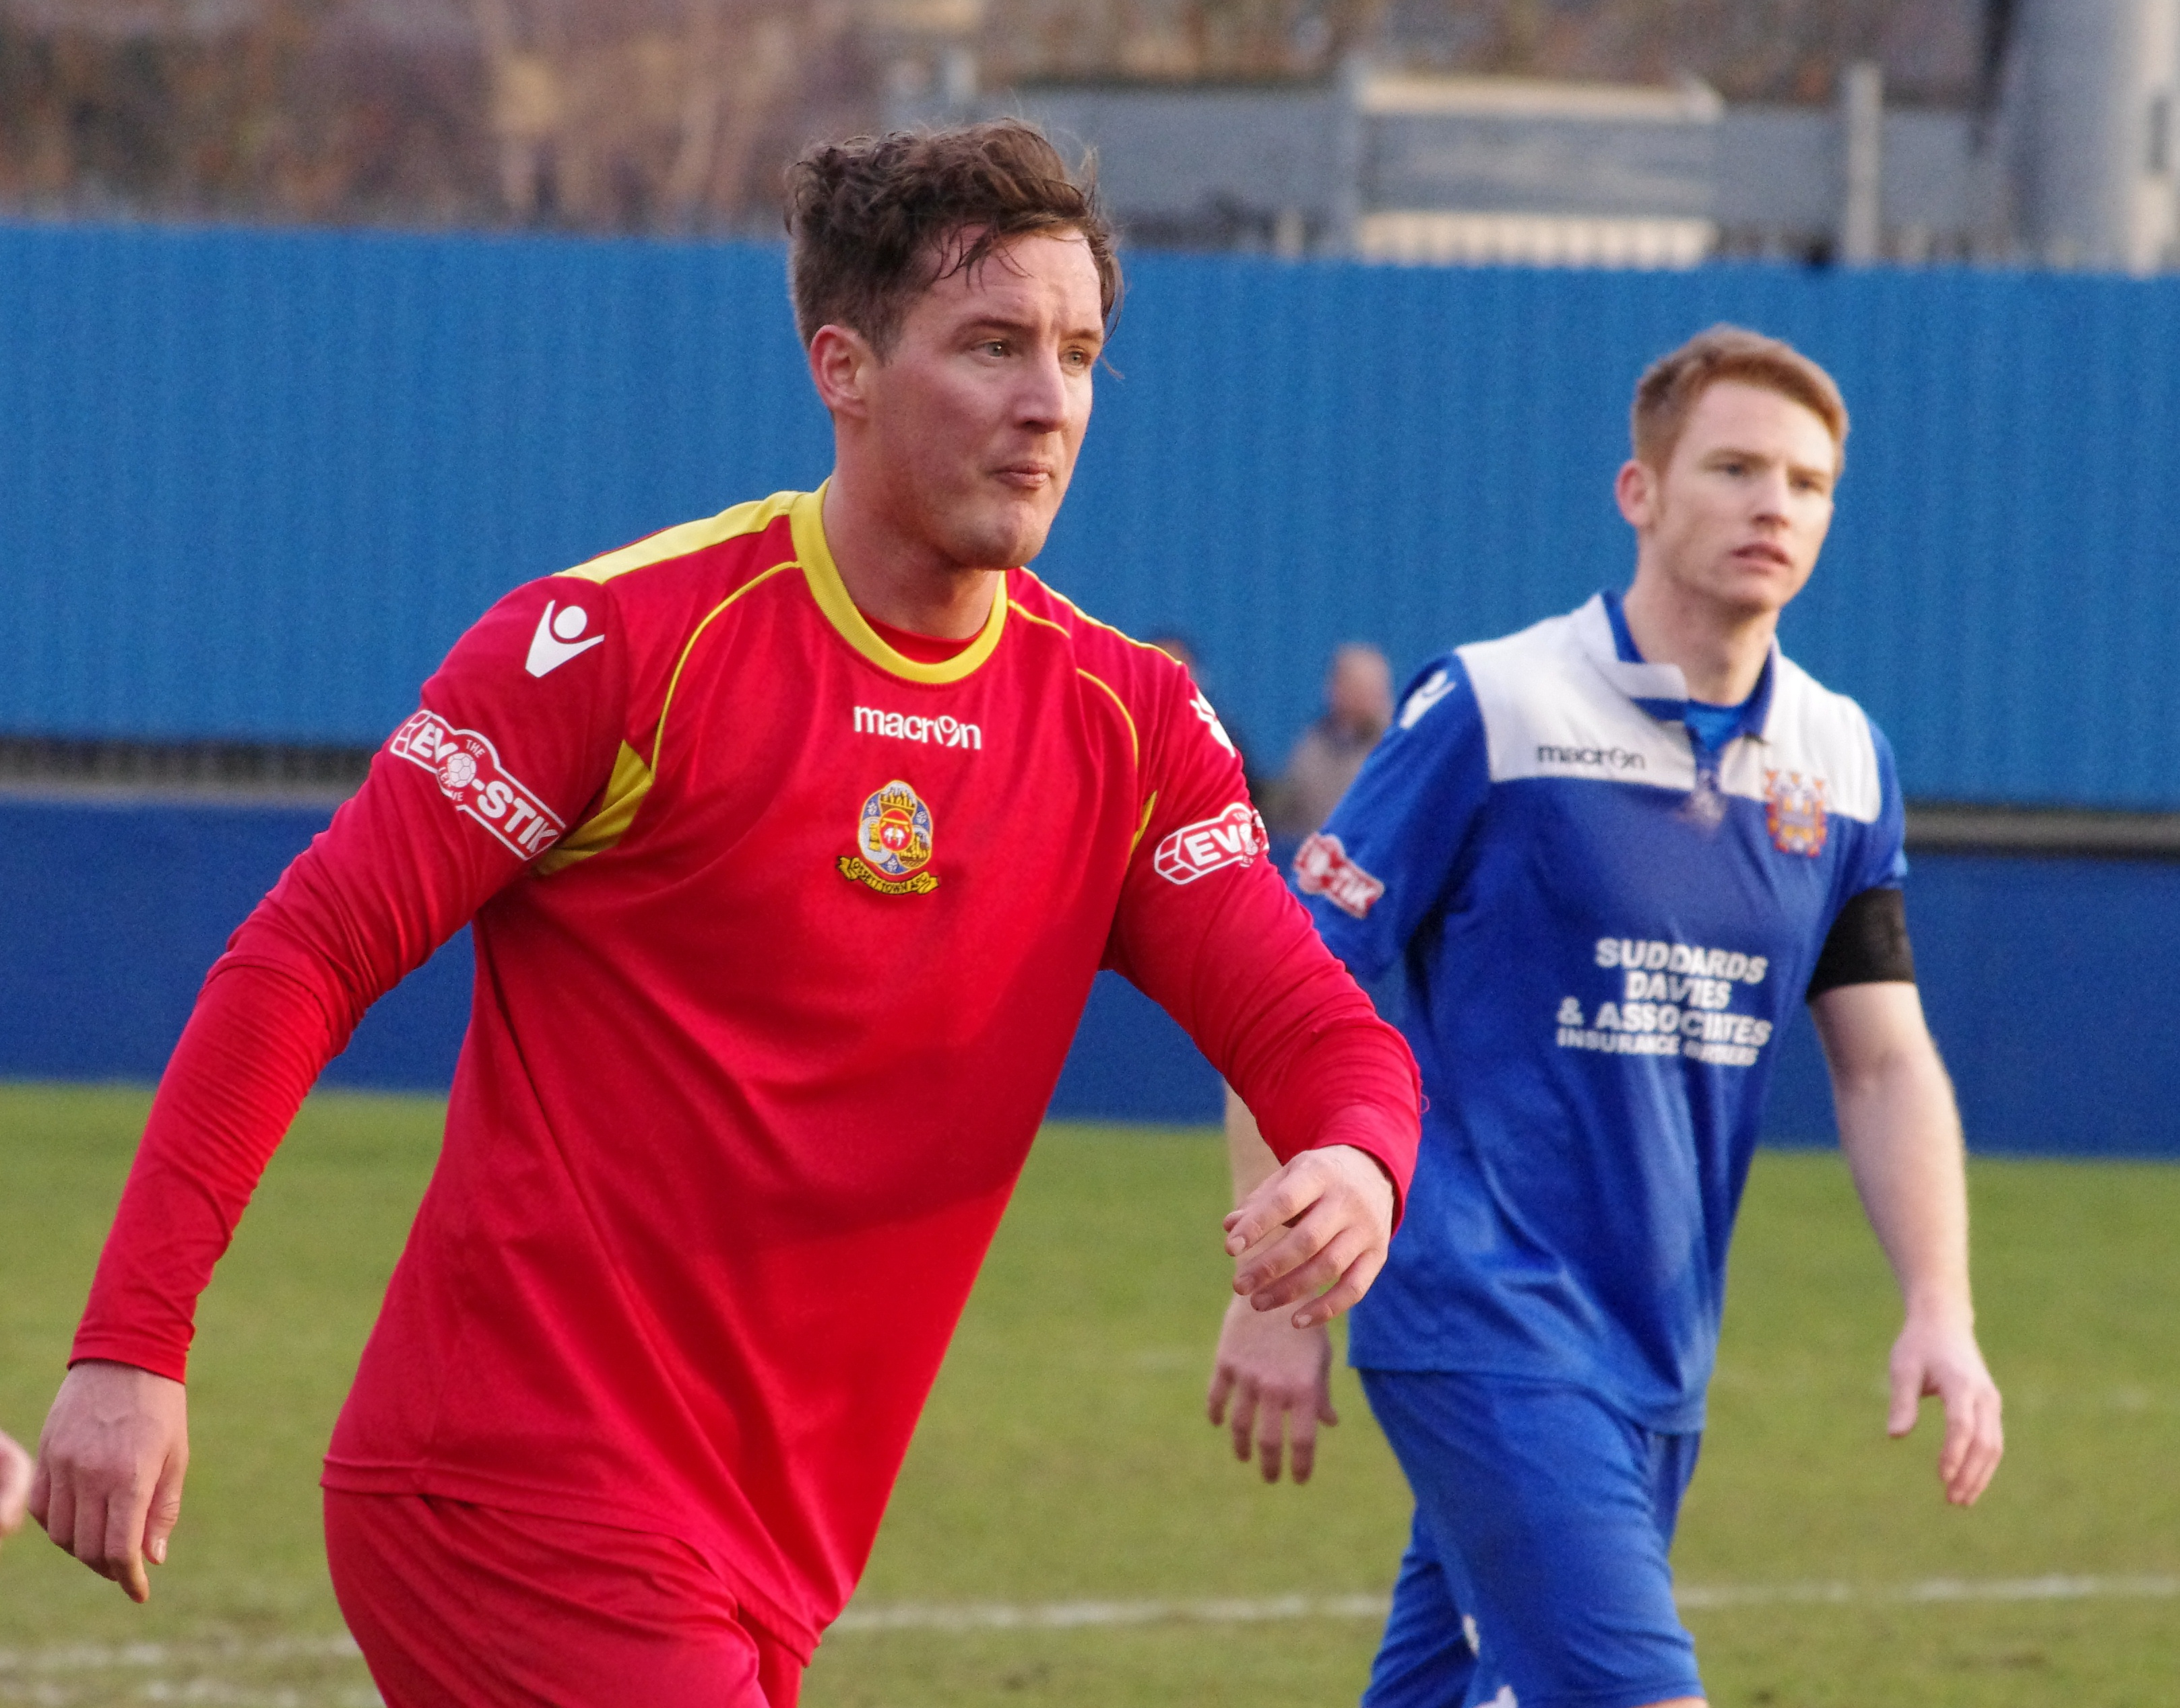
<point>14,1485</point>
<point>108,1485</point>
<point>1336,1205</point>
<point>1276,1380</point>
<point>1941,1360</point>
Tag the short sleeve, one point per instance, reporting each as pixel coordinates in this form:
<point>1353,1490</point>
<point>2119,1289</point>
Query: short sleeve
<point>1385,859</point>
<point>1881,858</point>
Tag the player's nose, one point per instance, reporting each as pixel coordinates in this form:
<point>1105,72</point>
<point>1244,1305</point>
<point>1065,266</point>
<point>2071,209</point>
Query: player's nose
<point>1041,400</point>
<point>1773,495</point>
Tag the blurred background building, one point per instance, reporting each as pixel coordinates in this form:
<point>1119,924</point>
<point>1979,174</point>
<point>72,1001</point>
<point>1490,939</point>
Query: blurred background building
<point>1566,132</point>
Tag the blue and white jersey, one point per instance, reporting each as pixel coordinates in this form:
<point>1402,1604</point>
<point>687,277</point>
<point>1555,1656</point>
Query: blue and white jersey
<point>1603,925</point>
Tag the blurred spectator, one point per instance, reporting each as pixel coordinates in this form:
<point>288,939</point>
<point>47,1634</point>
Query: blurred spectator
<point>1358,705</point>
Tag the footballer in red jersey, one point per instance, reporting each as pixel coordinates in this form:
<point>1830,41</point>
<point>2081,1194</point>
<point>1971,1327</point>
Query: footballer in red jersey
<point>790,841</point>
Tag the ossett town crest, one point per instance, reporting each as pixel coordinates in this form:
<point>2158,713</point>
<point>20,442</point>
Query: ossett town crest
<point>894,835</point>
<point>1794,811</point>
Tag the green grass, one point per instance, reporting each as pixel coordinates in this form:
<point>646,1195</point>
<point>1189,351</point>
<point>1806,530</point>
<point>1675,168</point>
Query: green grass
<point>1065,1456</point>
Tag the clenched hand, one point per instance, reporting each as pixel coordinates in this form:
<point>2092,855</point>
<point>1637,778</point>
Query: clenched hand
<point>1335,1205</point>
<point>108,1486</point>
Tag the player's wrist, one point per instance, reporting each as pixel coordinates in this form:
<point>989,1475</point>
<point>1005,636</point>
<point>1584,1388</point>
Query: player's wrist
<point>1370,1172</point>
<point>1939,1308</point>
<point>1368,1132</point>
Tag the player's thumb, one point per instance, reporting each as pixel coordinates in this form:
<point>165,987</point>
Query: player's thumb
<point>16,1474</point>
<point>1906,1398</point>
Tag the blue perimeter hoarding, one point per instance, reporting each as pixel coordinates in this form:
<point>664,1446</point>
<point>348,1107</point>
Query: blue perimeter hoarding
<point>2043,977</point>
<point>253,484</point>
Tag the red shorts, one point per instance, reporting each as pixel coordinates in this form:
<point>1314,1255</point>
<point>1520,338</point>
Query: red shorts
<point>457,1606</point>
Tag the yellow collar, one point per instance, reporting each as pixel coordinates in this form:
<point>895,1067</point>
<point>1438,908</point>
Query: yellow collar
<point>806,518</point>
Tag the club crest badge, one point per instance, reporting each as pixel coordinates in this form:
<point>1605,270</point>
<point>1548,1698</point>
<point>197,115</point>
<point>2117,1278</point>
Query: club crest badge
<point>894,837</point>
<point>1794,811</point>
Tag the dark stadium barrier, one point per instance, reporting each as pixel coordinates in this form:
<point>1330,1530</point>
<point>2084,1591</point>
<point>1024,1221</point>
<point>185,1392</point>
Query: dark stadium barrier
<point>2045,980</point>
<point>117,908</point>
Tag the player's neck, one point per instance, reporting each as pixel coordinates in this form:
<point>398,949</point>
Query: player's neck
<point>898,581</point>
<point>1719,650</point>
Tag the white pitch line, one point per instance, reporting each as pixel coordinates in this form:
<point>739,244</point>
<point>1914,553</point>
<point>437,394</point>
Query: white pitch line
<point>90,1657</point>
<point>2055,1588</point>
<point>1054,1615</point>
<point>1063,1616</point>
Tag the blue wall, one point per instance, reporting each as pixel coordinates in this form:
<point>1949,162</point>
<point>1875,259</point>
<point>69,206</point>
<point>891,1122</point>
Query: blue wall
<point>116,910</point>
<point>2045,982</point>
<point>252,485</point>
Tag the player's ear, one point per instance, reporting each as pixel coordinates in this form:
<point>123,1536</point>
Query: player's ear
<point>1636,490</point>
<point>842,360</point>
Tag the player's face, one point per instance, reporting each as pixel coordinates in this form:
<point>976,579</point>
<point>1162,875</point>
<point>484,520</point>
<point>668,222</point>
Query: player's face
<point>978,410</point>
<point>1739,513</point>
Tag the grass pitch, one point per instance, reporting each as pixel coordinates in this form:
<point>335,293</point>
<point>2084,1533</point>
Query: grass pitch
<point>1064,1459</point>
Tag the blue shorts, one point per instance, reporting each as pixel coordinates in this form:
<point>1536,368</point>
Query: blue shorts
<point>1536,1576</point>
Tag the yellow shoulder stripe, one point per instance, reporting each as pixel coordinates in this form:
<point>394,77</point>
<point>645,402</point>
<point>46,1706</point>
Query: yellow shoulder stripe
<point>672,682</point>
<point>1135,741</point>
<point>632,776</point>
<point>1120,634</point>
<point>679,541</point>
<point>1149,807</point>
<point>624,792</point>
<point>1135,745</point>
<point>1029,616</point>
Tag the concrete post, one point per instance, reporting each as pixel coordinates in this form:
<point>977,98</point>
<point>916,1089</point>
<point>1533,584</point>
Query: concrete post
<point>1862,163</point>
<point>2092,88</point>
<point>1350,156</point>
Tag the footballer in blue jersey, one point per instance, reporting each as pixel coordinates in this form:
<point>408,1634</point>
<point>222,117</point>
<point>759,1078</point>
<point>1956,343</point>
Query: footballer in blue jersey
<point>1605,858</point>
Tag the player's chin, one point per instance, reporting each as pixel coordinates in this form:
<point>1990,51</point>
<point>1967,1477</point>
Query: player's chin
<point>1007,529</point>
<point>1759,588</point>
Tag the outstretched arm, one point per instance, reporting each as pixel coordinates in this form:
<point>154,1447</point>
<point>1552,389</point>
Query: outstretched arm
<point>1332,1086</point>
<point>440,826</point>
<point>1902,1135</point>
<point>1273,1378</point>
<point>116,1443</point>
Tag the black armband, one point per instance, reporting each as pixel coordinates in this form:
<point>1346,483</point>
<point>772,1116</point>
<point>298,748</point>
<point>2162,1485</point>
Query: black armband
<point>1868,945</point>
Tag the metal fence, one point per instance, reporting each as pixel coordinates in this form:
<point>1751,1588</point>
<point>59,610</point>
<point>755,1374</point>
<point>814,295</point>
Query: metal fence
<point>252,485</point>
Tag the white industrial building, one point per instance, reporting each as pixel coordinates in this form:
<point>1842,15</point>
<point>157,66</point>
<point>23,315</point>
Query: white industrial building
<point>2071,159</point>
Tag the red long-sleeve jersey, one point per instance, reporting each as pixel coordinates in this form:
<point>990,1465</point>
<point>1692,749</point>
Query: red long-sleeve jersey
<point>781,936</point>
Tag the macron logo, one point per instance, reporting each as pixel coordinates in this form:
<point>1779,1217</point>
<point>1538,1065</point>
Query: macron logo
<point>1440,684</point>
<point>1201,708</point>
<point>555,641</point>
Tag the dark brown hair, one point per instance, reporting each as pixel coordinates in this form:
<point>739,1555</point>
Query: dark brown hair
<point>871,221</point>
<point>1667,392</point>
